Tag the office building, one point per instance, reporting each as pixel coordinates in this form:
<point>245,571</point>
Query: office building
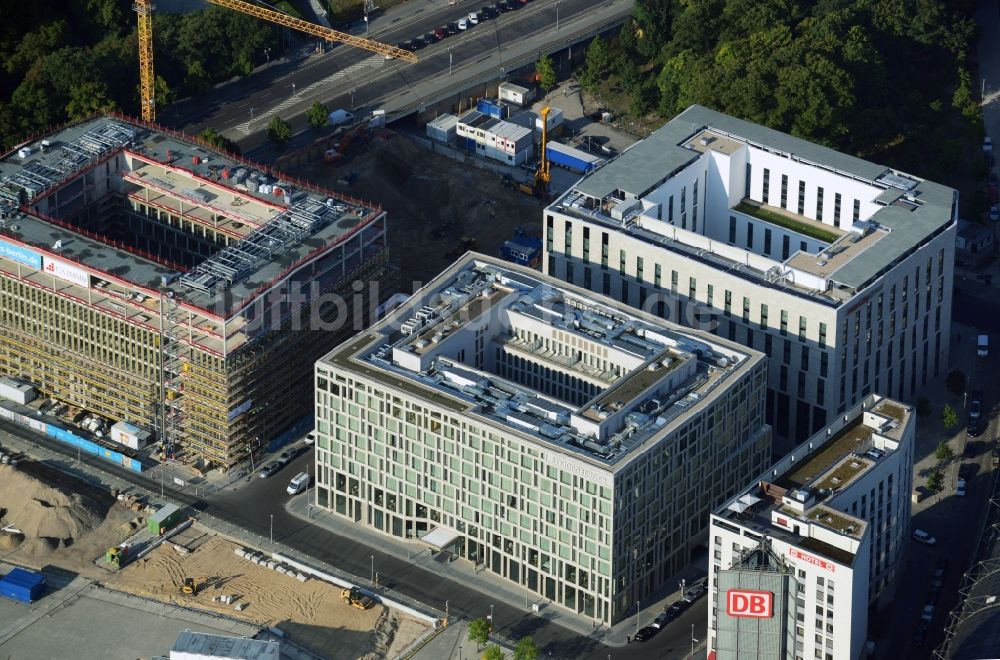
<point>494,138</point>
<point>558,439</point>
<point>147,278</point>
<point>802,558</point>
<point>839,269</point>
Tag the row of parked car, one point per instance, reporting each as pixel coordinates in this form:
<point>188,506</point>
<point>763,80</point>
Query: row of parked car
<point>462,24</point>
<point>671,613</point>
<point>937,581</point>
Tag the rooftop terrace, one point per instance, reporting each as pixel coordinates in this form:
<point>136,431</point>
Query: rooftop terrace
<point>420,349</point>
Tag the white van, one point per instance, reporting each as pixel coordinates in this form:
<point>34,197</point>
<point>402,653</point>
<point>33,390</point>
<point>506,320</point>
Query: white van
<point>298,483</point>
<point>983,346</point>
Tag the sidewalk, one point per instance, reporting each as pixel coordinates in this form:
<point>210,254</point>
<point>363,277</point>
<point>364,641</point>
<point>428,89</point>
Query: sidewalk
<point>484,581</point>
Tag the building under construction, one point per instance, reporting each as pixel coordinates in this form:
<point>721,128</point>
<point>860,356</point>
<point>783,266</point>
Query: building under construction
<point>148,278</point>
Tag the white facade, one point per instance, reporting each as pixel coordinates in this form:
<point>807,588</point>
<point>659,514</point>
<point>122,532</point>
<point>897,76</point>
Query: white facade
<point>837,510</point>
<point>839,269</point>
<point>495,138</point>
<point>565,444</point>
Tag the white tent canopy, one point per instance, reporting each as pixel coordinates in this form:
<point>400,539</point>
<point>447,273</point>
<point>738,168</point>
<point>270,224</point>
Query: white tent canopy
<point>440,537</point>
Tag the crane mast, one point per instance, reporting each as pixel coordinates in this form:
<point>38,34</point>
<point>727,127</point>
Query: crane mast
<point>145,8</point>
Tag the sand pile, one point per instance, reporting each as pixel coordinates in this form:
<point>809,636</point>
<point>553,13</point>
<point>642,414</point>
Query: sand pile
<point>47,513</point>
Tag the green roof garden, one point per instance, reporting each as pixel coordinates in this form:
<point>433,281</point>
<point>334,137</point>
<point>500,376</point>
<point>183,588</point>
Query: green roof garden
<point>804,227</point>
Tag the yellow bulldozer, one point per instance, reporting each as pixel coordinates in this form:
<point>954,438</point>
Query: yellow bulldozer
<point>355,598</point>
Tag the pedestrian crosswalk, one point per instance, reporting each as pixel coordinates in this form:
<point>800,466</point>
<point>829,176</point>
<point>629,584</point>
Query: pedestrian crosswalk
<point>260,119</point>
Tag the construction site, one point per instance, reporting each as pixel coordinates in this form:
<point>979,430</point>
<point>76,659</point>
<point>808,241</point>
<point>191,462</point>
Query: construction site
<point>147,278</point>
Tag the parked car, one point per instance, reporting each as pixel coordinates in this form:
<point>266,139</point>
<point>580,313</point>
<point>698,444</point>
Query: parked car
<point>298,483</point>
<point>974,428</point>
<point>452,28</point>
<point>995,213</point>
<point>488,12</point>
<point>694,593</point>
<point>647,633</point>
<point>663,618</point>
<point>473,18</point>
<point>920,636</point>
<point>679,607</point>
<point>463,24</point>
<point>960,488</point>
<point>268,470</point>
<point>988,144</point>
<point>938,579</point>
<point>310,439</point>
<point>928,613</point>
<point>441,32</point>
<point>920,536</point>
<point>991,188</point>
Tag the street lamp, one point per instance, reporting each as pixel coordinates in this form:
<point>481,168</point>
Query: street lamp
<point>373,569</point>
<point>492,628</point>
<point>366,23</point>
<point>272,530</point>
<point>693,640</point>
<point>636,617</point>
<point>293,89</point>
<point>352,99</point>
<point>267,54</point>
<point>449,60</point>
<point>249,449</point>
<point>557,13</point>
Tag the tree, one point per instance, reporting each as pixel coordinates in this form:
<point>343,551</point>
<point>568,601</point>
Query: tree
<point>923,407</point>
<point>948,416</point>
<point>598,60</point>
<point>88,98</point>
<point>318,115</point>
<point>279,130</point>
<point>943,451</point>
<point>955,381</point>
<point>493,652</point>
<point>935,481</point>
<point>525,649</point>
<point>546,70</point>
<point>216,139</point>
<point>479,631</point>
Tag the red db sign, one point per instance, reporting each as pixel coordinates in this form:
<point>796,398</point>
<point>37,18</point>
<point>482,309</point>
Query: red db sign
<point>749,603</point>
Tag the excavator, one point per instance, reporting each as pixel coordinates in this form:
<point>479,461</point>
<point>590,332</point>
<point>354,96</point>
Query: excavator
<point>145,9</point>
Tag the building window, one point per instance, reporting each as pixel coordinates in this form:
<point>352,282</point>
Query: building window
<point>784,247</point>
<point>638,268</point>
<point>805,358</point>
<point>657,271</point>
<point>763,317</point>
<point>692,288</point>
<point>710,290</point>
<point>836,209</point>
<point>568,238</point>
<point>684,191</point>
<point>729,302</point>
<point>767,185</point>
<point>784,322</point>
<point>732,229</point>
<point>670,209</point>
<point>824,364</point>
<point>767,241</point>
<point>746,308</point>
<point>621,262</point>
<point>802,328</point>
<point>819,204</point>
<point>586,244</point>
<point>857,210</point>
<point>802,197</point>
<point>746,181</point>
<point>784,191</point>
<point>673,281</point>
<point>548,233</point>
<point>604,249</point>
<point>749,236</point>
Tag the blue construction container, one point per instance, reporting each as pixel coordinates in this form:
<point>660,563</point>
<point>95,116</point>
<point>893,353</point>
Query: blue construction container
<point>492,108</point>
<point>524,250</point>
<point>571,159</point>
<point>22,586</point>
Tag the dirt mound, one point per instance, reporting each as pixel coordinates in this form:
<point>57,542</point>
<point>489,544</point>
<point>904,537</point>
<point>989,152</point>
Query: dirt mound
<point>46,510</point>
<point>10,541</point>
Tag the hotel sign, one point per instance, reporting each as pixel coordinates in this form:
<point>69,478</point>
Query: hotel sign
<point>578,468</point>
<point>65,271</point>
<point>810,559</point>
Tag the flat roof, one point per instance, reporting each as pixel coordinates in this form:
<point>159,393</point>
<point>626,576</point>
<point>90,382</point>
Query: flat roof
<point>416,350</point>
<point>675,145</point>
<point>271,233</point>
<point>221,646</point>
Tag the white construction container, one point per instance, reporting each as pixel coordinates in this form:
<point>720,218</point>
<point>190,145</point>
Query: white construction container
<point>130,435</point>
<point>555,119</point>
<point>16,391</point>
<point>516,94</point>
<point>24,152</point>
<point>442,129</point>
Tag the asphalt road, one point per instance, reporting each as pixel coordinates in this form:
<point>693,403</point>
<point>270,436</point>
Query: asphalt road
<point>258,506</point>
<point>330,77</point>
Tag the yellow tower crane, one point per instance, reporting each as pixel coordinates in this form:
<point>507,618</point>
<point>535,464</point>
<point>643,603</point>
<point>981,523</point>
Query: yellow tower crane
<point>542,174</point>
<point>145,8</point>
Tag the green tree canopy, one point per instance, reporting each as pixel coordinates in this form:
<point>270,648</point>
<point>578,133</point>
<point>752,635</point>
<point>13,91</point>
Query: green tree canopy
<point>279,130</point>
<point>948,416</point>
<point>318,115</point>
<point>479,631</point>
<point>546,70</point>
<point>216,139</point>
<point>943,452</point>
<point>526,649</point>
<point>493,652</point>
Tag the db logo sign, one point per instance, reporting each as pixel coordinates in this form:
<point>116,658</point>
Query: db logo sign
<point>749,603</point>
